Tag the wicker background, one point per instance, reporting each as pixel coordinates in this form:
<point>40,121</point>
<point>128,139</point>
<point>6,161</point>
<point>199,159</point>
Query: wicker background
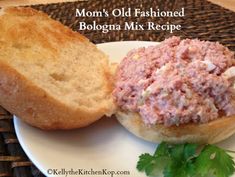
<point>203,20</point>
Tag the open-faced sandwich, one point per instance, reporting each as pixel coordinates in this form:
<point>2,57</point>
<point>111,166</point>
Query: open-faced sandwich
<point>177,91</point>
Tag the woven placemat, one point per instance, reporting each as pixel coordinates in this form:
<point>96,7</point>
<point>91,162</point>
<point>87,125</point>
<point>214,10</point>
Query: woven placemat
<point>203,20</point>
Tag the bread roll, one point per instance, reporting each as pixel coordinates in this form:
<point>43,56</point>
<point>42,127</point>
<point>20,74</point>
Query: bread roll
<point>51,77</point>
<point>211,132</point>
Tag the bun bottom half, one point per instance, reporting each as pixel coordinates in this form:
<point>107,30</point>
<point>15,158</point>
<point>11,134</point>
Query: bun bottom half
<point>212,132</point>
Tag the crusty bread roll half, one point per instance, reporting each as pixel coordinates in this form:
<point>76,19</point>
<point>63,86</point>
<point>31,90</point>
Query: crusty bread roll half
<point>50,76</point>
<point>211,132</point>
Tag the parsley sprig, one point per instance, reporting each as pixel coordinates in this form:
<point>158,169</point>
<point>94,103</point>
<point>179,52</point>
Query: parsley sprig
<point>187,160</point>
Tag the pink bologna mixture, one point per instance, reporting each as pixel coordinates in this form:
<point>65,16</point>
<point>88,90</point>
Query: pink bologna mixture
<point>177,82</point>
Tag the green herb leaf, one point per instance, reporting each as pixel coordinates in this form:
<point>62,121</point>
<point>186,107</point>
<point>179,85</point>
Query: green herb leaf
<point>162,150</point>
<point>186,160</point>
<point>144,162</point>
<point>152,165</point>
<point>190,151</point>
<point>214,160</point>
<point>181,161</point>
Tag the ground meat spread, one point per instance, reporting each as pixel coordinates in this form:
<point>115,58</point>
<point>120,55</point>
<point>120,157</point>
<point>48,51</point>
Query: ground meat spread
<point>177,82</point>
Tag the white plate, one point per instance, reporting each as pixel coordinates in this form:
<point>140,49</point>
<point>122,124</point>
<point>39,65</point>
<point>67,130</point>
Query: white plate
<point>103,145</point>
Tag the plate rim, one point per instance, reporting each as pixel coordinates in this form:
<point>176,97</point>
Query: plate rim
<point>17,121</point>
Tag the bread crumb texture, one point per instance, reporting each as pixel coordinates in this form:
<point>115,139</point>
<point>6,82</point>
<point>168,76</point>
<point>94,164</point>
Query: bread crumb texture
<point>62,63</point>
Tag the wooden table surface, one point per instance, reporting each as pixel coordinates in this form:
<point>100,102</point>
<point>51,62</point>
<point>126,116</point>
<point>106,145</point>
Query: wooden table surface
<point>230,4</point>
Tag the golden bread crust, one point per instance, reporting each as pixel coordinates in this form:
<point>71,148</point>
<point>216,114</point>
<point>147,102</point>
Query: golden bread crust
<point>22,28</point>
<point>211,132</point>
